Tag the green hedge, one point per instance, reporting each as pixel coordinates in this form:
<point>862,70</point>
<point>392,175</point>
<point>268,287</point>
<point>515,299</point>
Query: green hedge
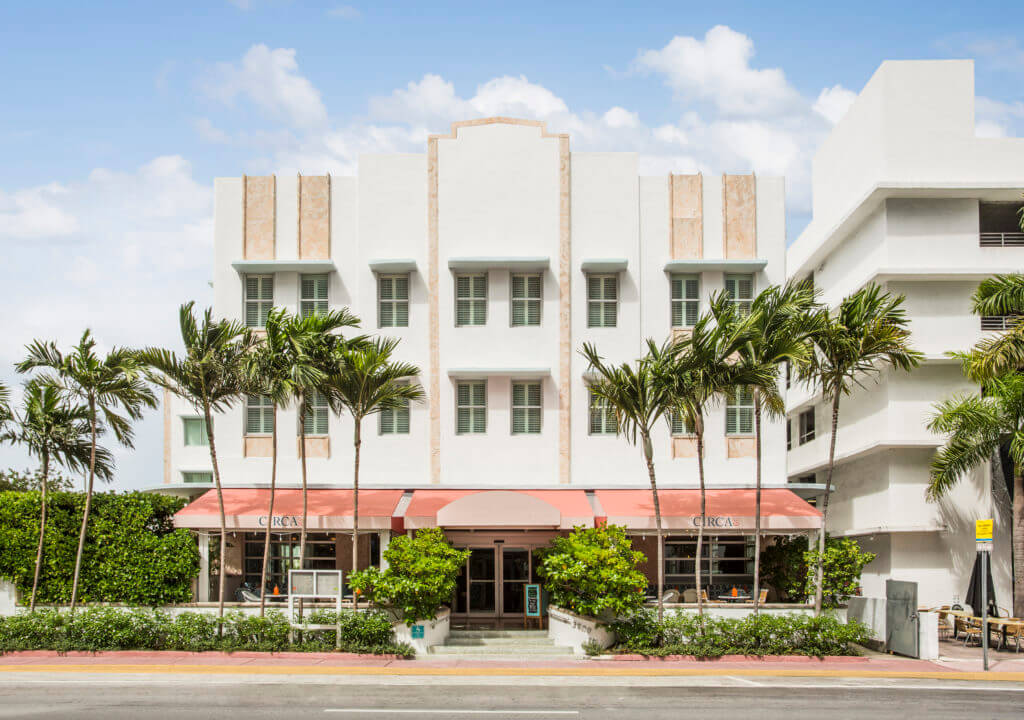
<point>106,628</point>
<point>706,636</point>
<point>133,553</point>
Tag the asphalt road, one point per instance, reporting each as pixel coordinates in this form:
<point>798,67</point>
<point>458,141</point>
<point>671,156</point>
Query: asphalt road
<point>196,698</point>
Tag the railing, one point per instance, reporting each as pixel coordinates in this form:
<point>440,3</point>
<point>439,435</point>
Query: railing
<point>999,323</point>
<point>1001,239</point>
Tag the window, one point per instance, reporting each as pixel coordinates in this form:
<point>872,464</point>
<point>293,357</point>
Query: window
<point>789,374</point>
<point>393,294</point>
<point>197,478</point>
<point>195,432</point>
<point>470,300</point>
<point>526,293</point>
<point>602,300</point>
<point>685,300</point>
<point>259,298</point>
<point>395,421</point>
<point>259,415</point>
<point>726,562</point>
<point>999,323</point>
<point>526,408</point>
<point>739,411</point>
<point>316,414</point>
<point>314,295</point>
<point>740,289</point>
<point>321,554</point>
<point>806,426</point>
<point>602,416</point>
<point>680,425</point>
<point>471,401</point>
<point>789,434</point>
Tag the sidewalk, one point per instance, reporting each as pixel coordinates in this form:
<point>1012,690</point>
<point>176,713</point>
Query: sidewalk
<point>251,663</point>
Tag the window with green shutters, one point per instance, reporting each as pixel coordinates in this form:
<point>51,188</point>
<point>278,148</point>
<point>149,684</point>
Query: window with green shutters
<point>602,300</point>
<point>739,411</point>
<point>316,414</point>
<point>526,296</point>
<point>470,300</point>
<point>395,421</point>
<point>681,426</point>
<point>602,417</point>
<point>314,295</point>
<point>197,478</point>
<point>471,408</point>
<point>259,415</point>
<point>393,300</point>
<point>195,432</point>
<point>526,408</point>
<point>740,289</point>
<point>259,298</point>
<point>685,300</point>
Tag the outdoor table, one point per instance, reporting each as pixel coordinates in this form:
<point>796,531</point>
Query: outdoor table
<point>735,598</point>
<point>1004,624</point>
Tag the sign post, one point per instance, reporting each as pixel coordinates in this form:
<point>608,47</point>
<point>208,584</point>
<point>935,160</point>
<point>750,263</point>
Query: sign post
<point>983,542</point>
<point>532,603</point>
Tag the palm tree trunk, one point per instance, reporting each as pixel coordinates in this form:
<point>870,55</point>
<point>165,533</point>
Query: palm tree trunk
<point>270,515</point>
<point>305,494</point>
<point>648,456</point>
<point>1018,541</point>
<point>703,512</point>
<point>222,572</point>
<point>355,504</point>
<point>88,502</point>
<point>819,568</point>
<point>757,499</point>
<point>42,532</point>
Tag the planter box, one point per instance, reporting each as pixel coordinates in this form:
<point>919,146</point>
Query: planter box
<point>8,598</point>
<point>427,632</point>
<point>568,629</point>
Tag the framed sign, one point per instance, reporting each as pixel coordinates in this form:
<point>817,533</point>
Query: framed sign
<point>532,600</point>
<point>417,632</point>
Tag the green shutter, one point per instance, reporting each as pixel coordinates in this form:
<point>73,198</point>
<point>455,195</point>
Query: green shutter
<point>518,313</point>
<point>402,420</point>
<point>611,287</point>
<point>198,478</point>
<point>387,421</point>
<point>402,314</point>
<point>386,288</point>
<point>463,425</point>
<point>402,287</point>
<point>387,314</point>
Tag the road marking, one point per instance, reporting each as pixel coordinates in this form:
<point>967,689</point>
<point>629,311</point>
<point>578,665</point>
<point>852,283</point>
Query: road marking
<point>426,711</point>
<point>743,680</point>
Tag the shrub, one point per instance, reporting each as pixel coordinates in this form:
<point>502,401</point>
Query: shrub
<point>594,571</point>
<point>788,566</point>
<point>363,630</point>
<point>420,577</point>
<point>133,553</point>
<point>706,636</point>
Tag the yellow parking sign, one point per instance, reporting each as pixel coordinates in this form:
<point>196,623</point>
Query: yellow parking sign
<point>983,530</point>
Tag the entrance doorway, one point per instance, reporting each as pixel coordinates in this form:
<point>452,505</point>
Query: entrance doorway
<point>492,585</point>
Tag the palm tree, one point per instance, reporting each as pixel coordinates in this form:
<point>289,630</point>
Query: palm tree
<point>979,425</point>
<point>309,344</point>
<point>864,335</point>
<point>211,375</point>
<point>5,407</point>
<point>709,365</point>
<point>639,394</point>
<point>998,354</point>
<point>107,386</point>
<point>364,381</point>
<point>59,432</point>
<point>777,330</point>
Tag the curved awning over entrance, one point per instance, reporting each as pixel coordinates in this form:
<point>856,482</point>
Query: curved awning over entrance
<point>246,509</point>
<point>556,509</point>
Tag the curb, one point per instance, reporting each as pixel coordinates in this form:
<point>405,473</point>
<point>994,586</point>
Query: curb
<point>632,657</point>
<point>186,655</point>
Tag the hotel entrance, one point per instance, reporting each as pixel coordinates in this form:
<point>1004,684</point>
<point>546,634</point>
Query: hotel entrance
<point>492,585</point>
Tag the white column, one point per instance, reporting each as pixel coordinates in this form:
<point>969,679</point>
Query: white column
<point>385,538</point>
<point>204,567</point>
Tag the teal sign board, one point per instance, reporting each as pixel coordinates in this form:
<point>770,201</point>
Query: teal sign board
<point>417,632</point>
<point>533,601</point>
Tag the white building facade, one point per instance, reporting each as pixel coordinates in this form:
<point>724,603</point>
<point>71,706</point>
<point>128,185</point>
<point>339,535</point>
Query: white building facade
<point>906,195</point>
<point>493,257</point>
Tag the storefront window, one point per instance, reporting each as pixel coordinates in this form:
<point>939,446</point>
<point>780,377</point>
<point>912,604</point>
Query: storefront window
<point>321,550</point>
<point>728,562</point>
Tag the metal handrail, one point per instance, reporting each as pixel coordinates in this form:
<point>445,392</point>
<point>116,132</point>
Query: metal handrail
<point>1001,239</point>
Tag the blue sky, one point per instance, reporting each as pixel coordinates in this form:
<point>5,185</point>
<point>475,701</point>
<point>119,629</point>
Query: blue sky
<point>118,115</point>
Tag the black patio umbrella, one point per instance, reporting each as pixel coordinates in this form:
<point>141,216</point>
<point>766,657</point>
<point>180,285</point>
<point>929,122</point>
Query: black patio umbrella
<point>974,589</point>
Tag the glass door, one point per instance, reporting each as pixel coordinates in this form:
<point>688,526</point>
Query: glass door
<point>515,574</point>
<point>474,589</point>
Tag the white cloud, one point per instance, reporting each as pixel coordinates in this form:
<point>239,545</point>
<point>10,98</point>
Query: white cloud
<point>270,80</point>
<point>618,117</point>
<point>345,12</point>
<point>833,102</point>
<point>35,212</point>
<point>994,118</point>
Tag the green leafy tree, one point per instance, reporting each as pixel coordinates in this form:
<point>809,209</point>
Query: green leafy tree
<point>1000,353</point>
<point>212,377</point>
<point>366,380</point>
<point>113,389</point>
<point>28,480</point>
<point>5,407</point>
<point>790,567</point>
<point>865,335</point>
<point>594,571</point>
<point>55,431</point>
<point>421,575</point>
<point>639,394</point>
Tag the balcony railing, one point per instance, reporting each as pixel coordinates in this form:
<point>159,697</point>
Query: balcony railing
<point>1001,239</point>
<point>999,323</point>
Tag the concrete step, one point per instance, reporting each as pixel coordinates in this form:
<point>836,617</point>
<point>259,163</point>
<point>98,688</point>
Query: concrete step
<point>498,633</point>
<point>499,641</point>
<point>503,650</point>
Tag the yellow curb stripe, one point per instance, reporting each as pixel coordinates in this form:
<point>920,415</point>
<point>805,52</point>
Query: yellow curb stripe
<point>509,672</point>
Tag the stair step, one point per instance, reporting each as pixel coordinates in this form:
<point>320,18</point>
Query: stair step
<point>500,650</point>
<point>499,641</point>
<point>498,633</point>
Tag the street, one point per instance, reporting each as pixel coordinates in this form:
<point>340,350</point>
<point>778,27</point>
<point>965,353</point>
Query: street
<point>86,696</point>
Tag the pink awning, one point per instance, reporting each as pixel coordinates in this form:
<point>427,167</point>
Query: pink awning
<point>781,510</point>
<point>561,509</point>
<point>246,509</point>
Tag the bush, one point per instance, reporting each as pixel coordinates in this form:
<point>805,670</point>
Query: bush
<point>133,553</point>
<point>789,567</point>
<point>594,571</point>
<point>706,636</point>
<point>420,577</point>
<point>107,628</point>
